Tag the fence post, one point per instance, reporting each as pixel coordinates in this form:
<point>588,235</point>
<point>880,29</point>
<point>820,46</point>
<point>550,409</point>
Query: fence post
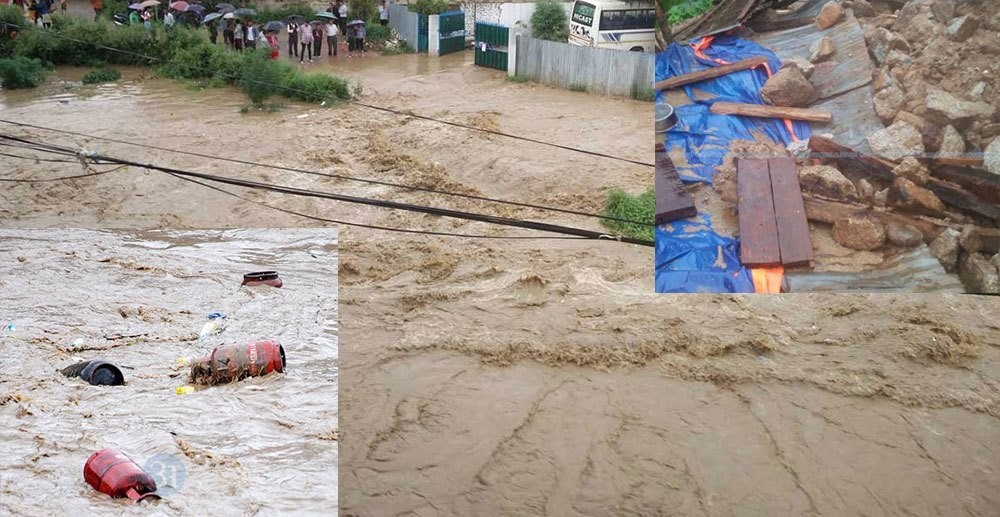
<point>512,35</point>
<point>434,35</point>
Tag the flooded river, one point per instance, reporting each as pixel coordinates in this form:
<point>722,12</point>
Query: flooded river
<point>139,299</point>
<point>526,377</point>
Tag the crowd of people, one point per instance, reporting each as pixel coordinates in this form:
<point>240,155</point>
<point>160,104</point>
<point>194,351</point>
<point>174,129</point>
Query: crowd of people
<point>305,39</point>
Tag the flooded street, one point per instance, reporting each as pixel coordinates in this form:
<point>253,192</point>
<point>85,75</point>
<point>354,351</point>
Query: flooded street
<point>139,300</point>
<point>544,377</point>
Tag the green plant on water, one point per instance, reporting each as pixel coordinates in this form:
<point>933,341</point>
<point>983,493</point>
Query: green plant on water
<point>428,7</point>
<point>399,47</point>
<point>622,205</point>
<point>375,33</point>
<point>316,87</point>
<point>357,90</point>
<point>518,79</point>
<point>261,77</point>
<point>577,87</point>
<point>549,22</point>
<point>21,72</point>
<point>101,75</point>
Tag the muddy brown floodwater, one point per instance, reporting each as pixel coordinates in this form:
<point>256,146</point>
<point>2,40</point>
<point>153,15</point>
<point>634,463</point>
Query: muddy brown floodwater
<point>139,299</point>
<point>526,377</point>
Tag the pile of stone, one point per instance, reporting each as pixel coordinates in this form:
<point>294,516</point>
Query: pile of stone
<point>790,87</point>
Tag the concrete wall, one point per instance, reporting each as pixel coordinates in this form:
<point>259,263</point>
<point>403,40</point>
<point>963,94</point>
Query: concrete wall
<point>405,23</point>
<point>601,71</point>
<point>433,39</point>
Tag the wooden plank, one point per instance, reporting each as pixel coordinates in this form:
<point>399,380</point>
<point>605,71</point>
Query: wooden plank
<point>790,213</point>
<point>768,111</point>
<point>758,228</point>
<point>849,158</point>
<point>956,196</point>
<point>710,73</point>
<point>673,201</point>
<point>984,184</point>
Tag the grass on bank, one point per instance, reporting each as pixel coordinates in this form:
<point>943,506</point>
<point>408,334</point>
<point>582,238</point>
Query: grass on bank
<point>622,205</point>
<point>101,75</point>
<point>182,53</point>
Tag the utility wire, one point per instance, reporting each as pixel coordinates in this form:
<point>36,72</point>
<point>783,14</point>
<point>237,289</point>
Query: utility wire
<point>360,225</point>
<point>457,214</point>
<point>352,101</point>
<point>329,175</point>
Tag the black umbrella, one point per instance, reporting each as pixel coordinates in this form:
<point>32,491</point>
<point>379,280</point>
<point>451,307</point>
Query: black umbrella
<point>195,8</point>
<point>245,11</point>
<point>324,14</point>
<point>225,8</point>
<point>295,18</point>
<point>274,26</point>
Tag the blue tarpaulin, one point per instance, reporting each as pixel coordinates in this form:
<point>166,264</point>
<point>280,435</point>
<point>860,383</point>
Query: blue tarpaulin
<point>690,256</point>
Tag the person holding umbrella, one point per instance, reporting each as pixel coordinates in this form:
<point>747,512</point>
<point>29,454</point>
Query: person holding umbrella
<point>227,31</point>
<point>360,42</point>
<point>383,14</point>
<point>342,14</point>
<point>251,35</point>
<point>238,35</point>
<point>331,37</point>
<point>133,17</point>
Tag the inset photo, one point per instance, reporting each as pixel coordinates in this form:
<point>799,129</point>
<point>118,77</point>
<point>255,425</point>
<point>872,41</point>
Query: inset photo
<point>191,370</point>
<point>820,146</point>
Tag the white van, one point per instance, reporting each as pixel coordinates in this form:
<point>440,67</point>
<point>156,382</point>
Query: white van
<point>613,24</point>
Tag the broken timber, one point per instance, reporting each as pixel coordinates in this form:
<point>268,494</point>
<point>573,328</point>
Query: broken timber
<point>772,217</point>
<point>673,201</point>
<point>767,111</point>
<point>710,73</point>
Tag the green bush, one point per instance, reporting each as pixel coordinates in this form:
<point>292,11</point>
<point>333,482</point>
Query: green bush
<point>641,208</point>
<point>109,8</point>
<point>376,33</point>
<point>101,75</point>
<point>680,10</point>
<point>316,87</point>
<point>21,72</point>
<point>549,22</point>
<point>362,10</point>
<point>428,7</point>
<point>261,77</point>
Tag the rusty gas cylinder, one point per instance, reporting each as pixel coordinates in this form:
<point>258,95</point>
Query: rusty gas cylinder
<point>262,278</point>
<point>229,363</point>
<point>112,472</point>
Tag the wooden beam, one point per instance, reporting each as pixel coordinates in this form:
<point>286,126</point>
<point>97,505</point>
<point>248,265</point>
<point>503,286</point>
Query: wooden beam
<point>984,184</point>
<point>849,158</point>
<point>758,229</point>
<point>673,201</point>
<point>768,111</point>
<point>956,196</point>
<point>710,73</point>
<point>790,213</point>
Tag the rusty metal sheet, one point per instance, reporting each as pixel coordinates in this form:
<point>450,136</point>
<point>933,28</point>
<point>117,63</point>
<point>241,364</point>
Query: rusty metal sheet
<point>848,69</point>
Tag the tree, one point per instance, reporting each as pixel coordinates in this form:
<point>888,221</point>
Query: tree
<point>664,36</point>
<point>429,7</point>
<point>362,10</point>
<point>549,22</point>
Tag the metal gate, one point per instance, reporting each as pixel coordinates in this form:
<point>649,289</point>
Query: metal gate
<point>451,28</point>
<point>491,45</point>
<point>422,33</point>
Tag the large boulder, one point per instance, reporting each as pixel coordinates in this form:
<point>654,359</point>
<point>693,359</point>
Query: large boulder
<point>882,42</point>
<point>897,141</point>
<point>969,239</point>
<point>830,15</point>
<point>945,247</point>
<point>920,31</point>
<point>978,274</point>
<point>962,28</point>
<point>991,157</point>
<point>943,10</point>
<point>947,109</point>
<point>789,87</point>
<point>862,9</point>
<point>903,235</point>
<point>952,143</point>
<point>826,181</point>
<point>888,102</point>
<point>912,170</point>
<point>822,50</point>
<point>910,197</point>
<point>859,232</point>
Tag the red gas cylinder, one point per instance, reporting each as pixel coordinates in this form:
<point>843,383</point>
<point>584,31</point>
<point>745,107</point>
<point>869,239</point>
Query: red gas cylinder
<point>113,473</point>
<point>229,363</point>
